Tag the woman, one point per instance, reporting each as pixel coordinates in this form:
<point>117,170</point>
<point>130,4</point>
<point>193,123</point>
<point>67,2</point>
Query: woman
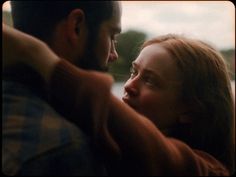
<point>181,91</point>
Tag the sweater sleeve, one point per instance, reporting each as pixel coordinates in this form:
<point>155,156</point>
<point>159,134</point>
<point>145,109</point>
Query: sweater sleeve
<point>147,151</point>
<point>76,92</point>
<point>85,99</point>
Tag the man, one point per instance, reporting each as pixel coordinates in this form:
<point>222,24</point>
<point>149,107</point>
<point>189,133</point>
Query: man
<point>37,140</point>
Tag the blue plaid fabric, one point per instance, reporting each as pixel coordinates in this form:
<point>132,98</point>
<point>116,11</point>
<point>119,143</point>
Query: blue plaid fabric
<point>36,140</point>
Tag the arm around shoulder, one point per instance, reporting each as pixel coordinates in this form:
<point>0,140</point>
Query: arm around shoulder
<point>19,47</point>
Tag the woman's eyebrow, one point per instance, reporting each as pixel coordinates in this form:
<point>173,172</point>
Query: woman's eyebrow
<point>153,73</point>
<point>148,71</point>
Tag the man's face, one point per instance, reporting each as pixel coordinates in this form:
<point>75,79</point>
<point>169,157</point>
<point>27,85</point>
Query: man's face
<point>103,48</point>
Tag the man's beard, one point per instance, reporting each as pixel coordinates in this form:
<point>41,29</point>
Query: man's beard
<point>89,60</point>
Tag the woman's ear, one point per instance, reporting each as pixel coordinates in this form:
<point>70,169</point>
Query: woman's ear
<point>184,114</point>
<point>75,25</point>
<point>185,119</point>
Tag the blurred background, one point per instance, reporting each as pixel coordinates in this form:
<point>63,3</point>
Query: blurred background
<point>210,21</point>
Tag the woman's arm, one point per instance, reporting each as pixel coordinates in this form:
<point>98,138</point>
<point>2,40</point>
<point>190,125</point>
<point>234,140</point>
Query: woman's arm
<point>19,47</point>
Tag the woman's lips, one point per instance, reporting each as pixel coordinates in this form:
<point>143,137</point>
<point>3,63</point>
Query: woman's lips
<point>127,101</point>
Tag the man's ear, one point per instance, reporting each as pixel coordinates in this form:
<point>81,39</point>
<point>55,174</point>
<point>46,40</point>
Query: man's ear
<point>75,25</point>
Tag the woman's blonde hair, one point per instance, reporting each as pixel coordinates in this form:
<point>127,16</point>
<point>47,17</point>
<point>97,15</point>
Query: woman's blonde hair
<point>206,90</point>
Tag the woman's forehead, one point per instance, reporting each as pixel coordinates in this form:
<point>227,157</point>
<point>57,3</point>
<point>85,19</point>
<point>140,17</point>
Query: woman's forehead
<point>156,58</point>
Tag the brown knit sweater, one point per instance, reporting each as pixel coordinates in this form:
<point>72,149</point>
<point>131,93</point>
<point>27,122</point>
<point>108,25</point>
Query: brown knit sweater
<point>129,142</point>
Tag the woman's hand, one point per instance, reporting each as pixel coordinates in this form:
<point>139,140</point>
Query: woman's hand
<point>19,47</point>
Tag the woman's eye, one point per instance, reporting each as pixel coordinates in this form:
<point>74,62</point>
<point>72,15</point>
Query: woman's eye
<point>150,81</point>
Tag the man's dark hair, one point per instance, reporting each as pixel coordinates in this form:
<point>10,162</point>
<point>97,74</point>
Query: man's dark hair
<point>39,18</point>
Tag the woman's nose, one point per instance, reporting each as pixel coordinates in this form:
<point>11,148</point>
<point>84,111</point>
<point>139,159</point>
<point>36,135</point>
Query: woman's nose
<point>131,87</point>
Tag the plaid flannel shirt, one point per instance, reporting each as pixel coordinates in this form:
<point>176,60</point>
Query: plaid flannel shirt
<point>36,140</point>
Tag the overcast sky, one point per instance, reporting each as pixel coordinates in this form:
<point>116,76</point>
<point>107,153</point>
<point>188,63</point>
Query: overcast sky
<point>212,21</point>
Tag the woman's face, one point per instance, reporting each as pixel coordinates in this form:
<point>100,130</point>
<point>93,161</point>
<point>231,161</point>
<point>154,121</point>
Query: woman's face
<point>154,87</point>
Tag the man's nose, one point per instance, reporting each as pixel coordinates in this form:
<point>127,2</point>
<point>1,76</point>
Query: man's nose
<point>113,54</point>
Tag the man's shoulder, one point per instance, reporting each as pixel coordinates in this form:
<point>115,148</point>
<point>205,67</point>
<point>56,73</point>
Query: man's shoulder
<point>22,104</point>
<point>19,100</point>
<point>30,126</point>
